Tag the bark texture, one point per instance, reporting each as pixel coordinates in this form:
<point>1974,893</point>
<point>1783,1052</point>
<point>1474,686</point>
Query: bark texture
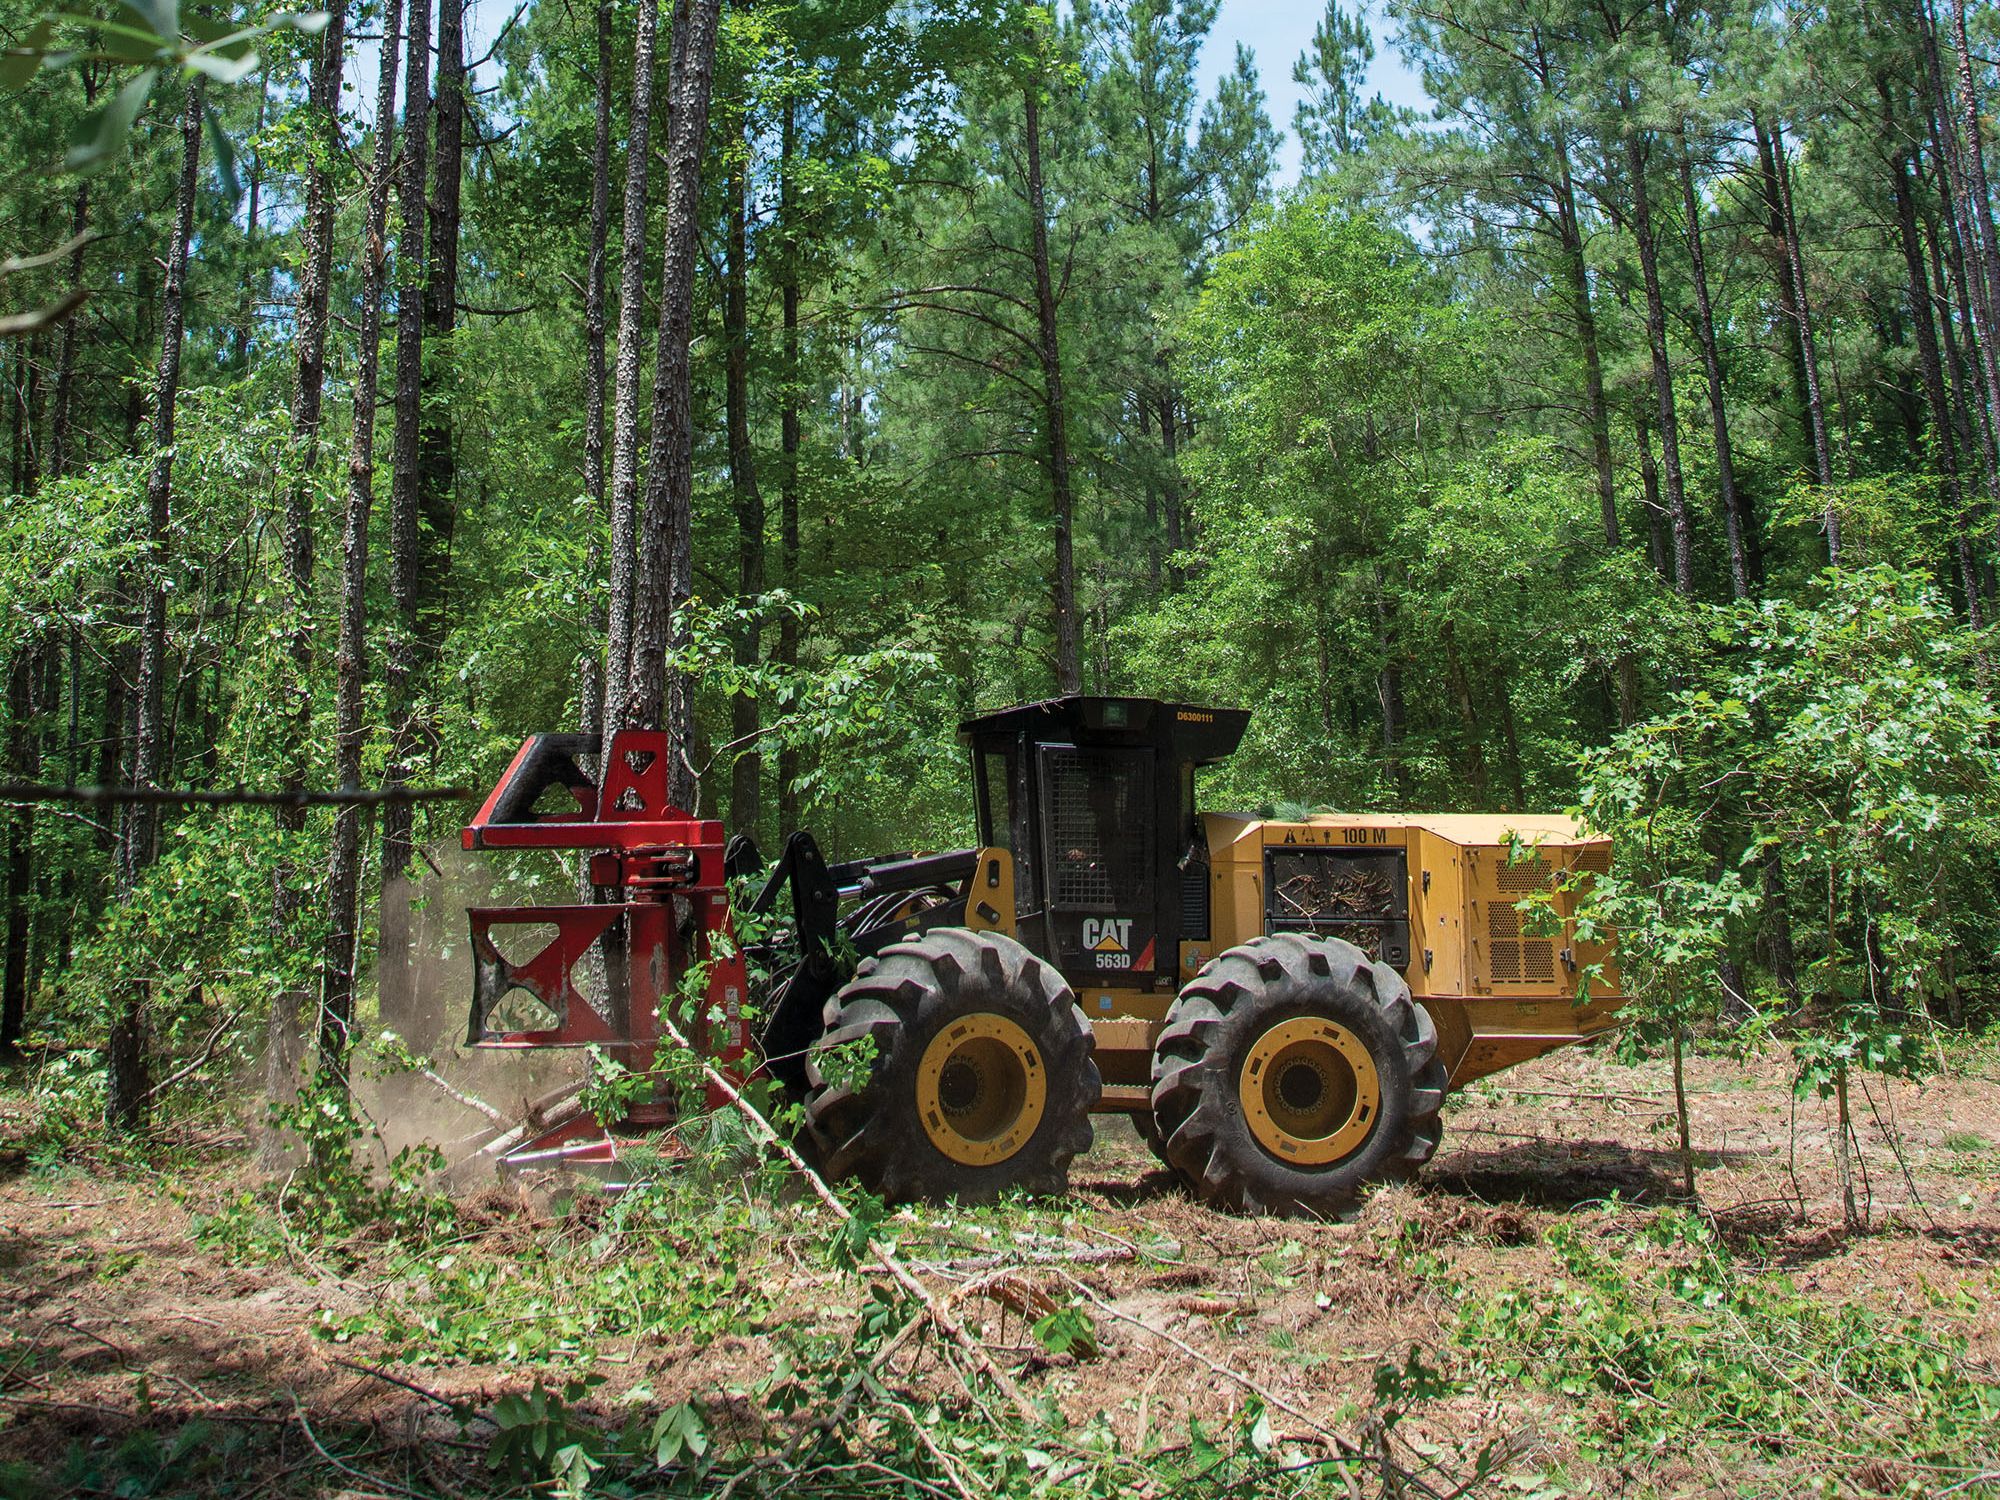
<point>625,393</point>
<point>747,767</point>
<point>126,1086</point>
<point>1055,419</point>
<point>788,447</point>
<point>1680,525</point>
<point>665,574</point>
<point>406,543</point>
<point>1743,567</point>
<point>1802,309</point>
<point>590,668</point>
<point>337,964</point>
<point>24,760</point>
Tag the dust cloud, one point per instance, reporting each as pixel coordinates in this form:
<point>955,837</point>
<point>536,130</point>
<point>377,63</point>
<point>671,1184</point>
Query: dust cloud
<point>452,1102</point>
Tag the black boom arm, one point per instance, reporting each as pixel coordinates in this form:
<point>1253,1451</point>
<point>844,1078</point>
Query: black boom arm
<point>798,999</point>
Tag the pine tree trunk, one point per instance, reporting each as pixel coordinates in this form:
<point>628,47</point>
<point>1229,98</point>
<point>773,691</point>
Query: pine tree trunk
<point>24,760</point>
<point>316,262</point>
<point>625,391</point>
<point>1802,306</point>
<point>1843,1157</point>
<point>1982,233</point>
<point>146,304</point>
<point>1681,1124</point>
<point>337,979</point>
<point>1743,568</point>
<point>1974,295</point>
<point>1468,719</point>
<point>590,667</point>
<point>594,277</point>
<point>246,313</point>
<point>35,353</point>
<point>437,454</point>
<point>406,543</point>
<point>1578,277</point>
<point>1649,491</point>
<point>62,454</point>
<point>788,447</point>
<point>1961,378</point>
<point>437,461</point>
<point>308,405</point>
<point>1389,688</point>
<point>1170,485</point>
<point>1069,670</point>
<point>1930,371</point>
<point>1142,415</point>
<point>665,574</point>
<point>746,771</point>
<point>112,738</point>
<point>1978,194</point>
<point>1781,262</point>
<point>17,422</point>
<point>52,919</point>
<point>126,1086</point>
<point>1681,528</point>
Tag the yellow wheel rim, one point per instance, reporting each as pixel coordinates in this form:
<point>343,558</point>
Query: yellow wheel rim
<point>1310,1091</point>
<point>981,1089</point>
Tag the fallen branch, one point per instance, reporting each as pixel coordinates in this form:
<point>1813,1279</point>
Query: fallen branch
<point>1341,1443</point>
<point>885,1257</point>
<point>470,1101</point>
<point>19,325</point>
<point>454,1407</point>
<point>202,1060</point>
<point>1087,1255</point>
<point>352,1473</point>
<point>539,1118</point>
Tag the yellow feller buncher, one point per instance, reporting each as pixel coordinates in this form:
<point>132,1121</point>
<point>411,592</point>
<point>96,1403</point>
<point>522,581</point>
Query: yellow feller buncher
<point>1281,1005</point>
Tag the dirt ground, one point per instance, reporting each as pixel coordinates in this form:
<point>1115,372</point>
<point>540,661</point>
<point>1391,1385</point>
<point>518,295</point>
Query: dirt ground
<point>113,1313</point>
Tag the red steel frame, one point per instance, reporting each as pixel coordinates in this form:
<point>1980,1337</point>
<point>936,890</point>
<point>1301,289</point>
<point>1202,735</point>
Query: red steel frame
<point>673,916</point>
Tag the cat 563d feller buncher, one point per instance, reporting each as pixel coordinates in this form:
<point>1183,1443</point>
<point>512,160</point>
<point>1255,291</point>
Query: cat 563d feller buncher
<point>1280,1004</point>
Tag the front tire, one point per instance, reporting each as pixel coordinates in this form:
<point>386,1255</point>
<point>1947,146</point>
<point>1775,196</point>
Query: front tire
<point>1293,1072</point>
<point>983,1078</point>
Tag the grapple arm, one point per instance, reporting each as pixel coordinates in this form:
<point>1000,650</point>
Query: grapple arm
<point>667,917</point>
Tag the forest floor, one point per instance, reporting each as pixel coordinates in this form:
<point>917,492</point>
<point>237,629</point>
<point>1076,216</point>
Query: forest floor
<point>1542,1306</point>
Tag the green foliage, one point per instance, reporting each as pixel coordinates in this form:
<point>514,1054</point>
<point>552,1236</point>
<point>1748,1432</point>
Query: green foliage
<point>1069,1329</point>
<point>161,40</point>
<point>668,1256</point>
<point>343,1197</point>
<point>537,1441</point>
<point>1685,1345</point>
<point>1836,740</point>
<point>848,1064</point>
<point>139,1465</point>
<point>612,1088</point>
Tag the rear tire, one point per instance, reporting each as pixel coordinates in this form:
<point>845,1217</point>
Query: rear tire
<point>1293,1072</point>
<point>983,1078</point>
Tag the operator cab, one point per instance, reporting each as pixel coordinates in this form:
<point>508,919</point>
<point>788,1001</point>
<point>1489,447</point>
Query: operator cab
<point>1094,798</point>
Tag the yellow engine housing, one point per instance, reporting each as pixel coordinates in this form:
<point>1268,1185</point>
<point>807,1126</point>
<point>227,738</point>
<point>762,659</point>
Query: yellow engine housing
<point>1499,993</point>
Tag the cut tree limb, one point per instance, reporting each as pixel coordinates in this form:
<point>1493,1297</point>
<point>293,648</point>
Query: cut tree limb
<point>885,1256</point>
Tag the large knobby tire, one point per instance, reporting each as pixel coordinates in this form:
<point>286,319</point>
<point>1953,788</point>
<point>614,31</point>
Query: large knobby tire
<point>1293,1072</point>
<point>983,1078</point>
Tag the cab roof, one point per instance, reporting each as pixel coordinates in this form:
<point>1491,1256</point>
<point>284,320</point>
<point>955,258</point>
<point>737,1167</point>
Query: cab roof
<point>1188,732</point>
